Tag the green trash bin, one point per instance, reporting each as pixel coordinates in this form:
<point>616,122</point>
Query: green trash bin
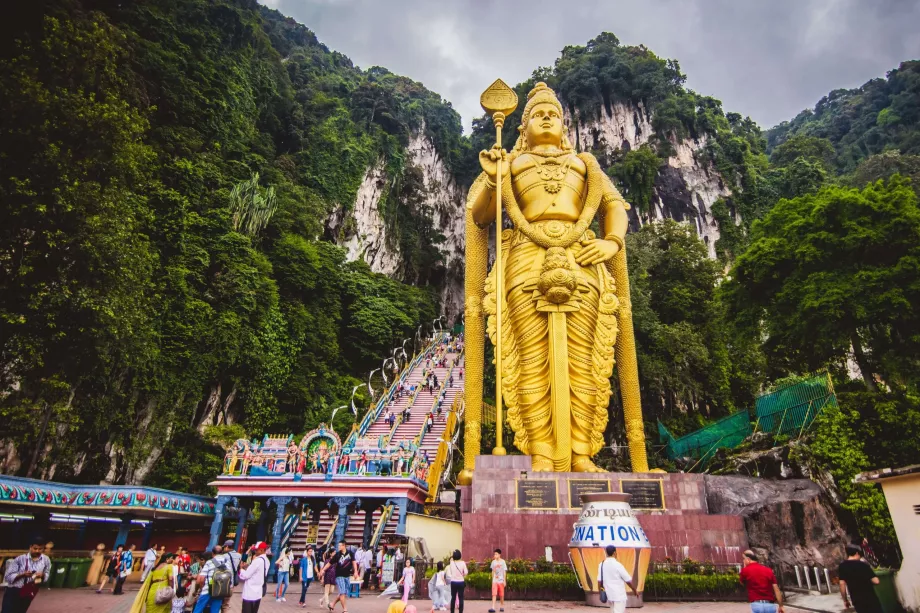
<point>59,568</point>
<point>76,572</point>
<point>886,591</point>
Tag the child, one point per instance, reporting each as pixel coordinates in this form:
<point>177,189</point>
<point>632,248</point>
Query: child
<point>499,568</point>
<point>178,601</point>
<point>407,580</point>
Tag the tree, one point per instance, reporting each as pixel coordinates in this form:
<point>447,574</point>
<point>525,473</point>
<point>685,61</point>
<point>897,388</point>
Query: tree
<point>835,273</point>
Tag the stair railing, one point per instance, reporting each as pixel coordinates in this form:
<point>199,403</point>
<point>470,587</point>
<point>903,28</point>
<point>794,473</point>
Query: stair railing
<point>331,535</point>
<point>440,468</point>
<point>385,515</point>
<point>289,527</point>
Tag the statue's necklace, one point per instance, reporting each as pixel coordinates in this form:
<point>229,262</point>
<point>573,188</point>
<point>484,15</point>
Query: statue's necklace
<point>551,171</point>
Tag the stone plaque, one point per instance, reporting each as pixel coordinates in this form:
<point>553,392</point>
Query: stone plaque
<point>536,494</point>
<point>647,494</point>
<point>577,487</point>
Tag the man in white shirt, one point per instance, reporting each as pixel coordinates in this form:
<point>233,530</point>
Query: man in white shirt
<point>253,576</point>
<point>613,579</point>
<point>150,560</point>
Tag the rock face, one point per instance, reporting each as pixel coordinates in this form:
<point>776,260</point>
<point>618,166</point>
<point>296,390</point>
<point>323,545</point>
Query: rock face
<point>788,522</point>
<point>686,187</point>
<point>362,231</point>
<point>444,200</point>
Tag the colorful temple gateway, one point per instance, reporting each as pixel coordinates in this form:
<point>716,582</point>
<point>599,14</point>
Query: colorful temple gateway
<point>319,489</point>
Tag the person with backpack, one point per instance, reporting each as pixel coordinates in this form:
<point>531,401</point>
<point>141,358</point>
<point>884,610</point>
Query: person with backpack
<point>253,575</point>
<point>235,559</point>
<point>215,581</point>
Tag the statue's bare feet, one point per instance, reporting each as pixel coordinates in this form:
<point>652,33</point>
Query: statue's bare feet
<point>541,464</point>
<point>583,464</point>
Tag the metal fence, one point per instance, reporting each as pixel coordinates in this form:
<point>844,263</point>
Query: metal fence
<point>787,411</point>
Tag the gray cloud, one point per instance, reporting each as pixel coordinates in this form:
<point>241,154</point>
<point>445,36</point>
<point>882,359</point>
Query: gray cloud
<point>767,58</point>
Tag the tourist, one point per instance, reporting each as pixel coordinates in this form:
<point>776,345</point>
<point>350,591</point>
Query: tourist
<point>111,571</point>
<point>24,575</point>
<point>457,572</point>
<point>158,588</point>
<point>179,600</point>
<point>407,413</point>
<point>150,559</point>
<point>97,568</point>
<point>763,591</point>
<point>407,580</point>
<point>613,578</point>
<point>253,574</point>
<point>212,582</point>
<point>185,564</point>
<point>450,380</point>
<point>327,576</point>
<point>234,560</point>
<point>345,568</point>
<point>499,569</point>
<point>307,572</point>
<point>125,564</point>
<point>284,571</point>
<point>858,580</point>
<point>193,570</point>
<point>438,589</point>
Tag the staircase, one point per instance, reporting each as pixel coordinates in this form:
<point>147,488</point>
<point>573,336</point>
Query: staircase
<point>354,534</point>
<point>422,402</point>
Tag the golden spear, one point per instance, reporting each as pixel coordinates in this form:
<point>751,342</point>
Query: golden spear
<point>499,101</point>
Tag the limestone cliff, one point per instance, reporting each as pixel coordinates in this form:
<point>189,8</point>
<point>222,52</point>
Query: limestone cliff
<point>686,187</point>
<point>362,230</point>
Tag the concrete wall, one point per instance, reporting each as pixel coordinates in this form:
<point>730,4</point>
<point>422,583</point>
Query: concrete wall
<point>903,495</point>
<point>441,535</point>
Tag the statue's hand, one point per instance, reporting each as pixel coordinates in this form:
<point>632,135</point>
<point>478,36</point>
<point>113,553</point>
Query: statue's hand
<point>596,251</point>
<point>488,160</point>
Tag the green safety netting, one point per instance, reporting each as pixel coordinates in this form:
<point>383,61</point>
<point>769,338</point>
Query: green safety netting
<point>786,411</point>
<point>789,410</point>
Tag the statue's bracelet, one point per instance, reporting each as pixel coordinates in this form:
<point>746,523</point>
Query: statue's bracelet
<point>490,184</point>
<point>616,239</point>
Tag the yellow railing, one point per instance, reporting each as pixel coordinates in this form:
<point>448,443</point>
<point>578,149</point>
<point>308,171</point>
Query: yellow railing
<point>331,535</point>
<point>440,459</point>
<point>381,524</point>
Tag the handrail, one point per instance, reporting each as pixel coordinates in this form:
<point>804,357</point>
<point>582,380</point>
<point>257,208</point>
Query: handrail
<point>385,515</point>
<point>332,527</point>
<point>290,526</point>
<point>437,469</point>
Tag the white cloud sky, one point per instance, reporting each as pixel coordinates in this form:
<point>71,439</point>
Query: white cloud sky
<point>765,58</point>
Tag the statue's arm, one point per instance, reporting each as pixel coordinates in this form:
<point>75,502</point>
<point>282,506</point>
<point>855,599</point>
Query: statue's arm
<point>616,221</point>
<point>481,200</point>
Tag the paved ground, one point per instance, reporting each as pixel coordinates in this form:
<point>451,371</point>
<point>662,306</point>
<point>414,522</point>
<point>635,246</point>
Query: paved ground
<point>87,601</point>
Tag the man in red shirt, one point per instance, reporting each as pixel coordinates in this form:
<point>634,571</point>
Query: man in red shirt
<point>763,592</point>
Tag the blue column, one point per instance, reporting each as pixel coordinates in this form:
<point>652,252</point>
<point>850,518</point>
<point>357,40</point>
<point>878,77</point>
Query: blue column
<point>241,524</point>
<point>403,505</point>
<point>148,534</point>
<point>368,525</point>
<point>343,502</point>
<point>123,530</point>
<point>217,526</point>
<point>280,503</point>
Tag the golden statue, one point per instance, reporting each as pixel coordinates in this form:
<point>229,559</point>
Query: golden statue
<point>564,294</point>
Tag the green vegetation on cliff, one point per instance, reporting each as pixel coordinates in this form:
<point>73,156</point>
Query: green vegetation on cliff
<point>167,170</point>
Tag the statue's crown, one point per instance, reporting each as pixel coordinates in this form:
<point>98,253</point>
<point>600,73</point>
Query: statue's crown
<point>540,93</point>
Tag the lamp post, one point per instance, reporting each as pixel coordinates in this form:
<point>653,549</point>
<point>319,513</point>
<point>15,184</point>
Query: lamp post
<point>354,409</point>
<point>369,388</point>
<point>332,419</point>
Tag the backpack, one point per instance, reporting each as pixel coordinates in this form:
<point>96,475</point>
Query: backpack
<point>221,583</point>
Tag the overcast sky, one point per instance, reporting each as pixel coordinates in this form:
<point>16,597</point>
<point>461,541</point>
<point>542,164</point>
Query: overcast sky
<point>765,58</point>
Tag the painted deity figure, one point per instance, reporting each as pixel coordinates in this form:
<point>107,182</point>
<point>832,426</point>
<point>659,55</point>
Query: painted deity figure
<point>559,309</point>
<point>232,458</point>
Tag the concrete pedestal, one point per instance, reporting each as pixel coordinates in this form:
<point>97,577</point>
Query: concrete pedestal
<point>683,529</point>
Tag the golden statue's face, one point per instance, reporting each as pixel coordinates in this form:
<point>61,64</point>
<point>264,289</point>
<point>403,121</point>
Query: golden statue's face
<point>544,126</point>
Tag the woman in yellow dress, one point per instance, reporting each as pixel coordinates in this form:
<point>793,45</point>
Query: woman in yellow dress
<point>160,577</point>
<point>95,569</point>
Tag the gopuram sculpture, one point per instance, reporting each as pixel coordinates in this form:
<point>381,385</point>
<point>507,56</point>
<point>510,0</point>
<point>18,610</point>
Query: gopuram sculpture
<point>557,298</point>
